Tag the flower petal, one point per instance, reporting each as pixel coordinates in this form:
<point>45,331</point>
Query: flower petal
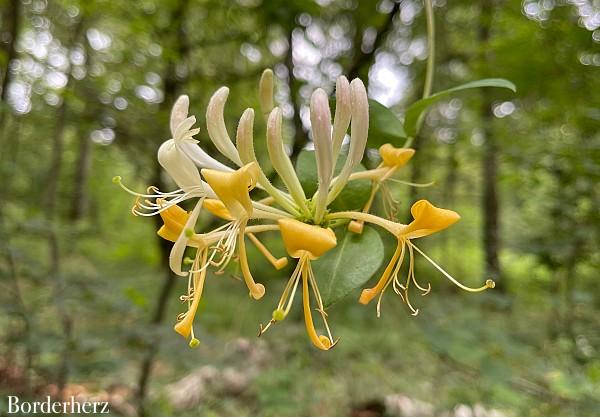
<point>215,124</point>
<point>300,237</point>
<point>179,167</point>
<point>281,161</point>
<point>343,113</point>
<point>176,255</point>
<point>359,132</point>
<point>428,219</point>
<point>179,112</point>
<point>320,118</point>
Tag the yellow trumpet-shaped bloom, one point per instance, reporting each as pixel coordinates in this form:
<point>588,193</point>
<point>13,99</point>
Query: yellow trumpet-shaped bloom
<point>395,157</point>
<point>306,243</point>
<point>428,219</point>
<point>233,188</point>
<point>305,239</point>
<point>217,208</point>
<point>174,218</point>
<point>392,160</point>
<point>197,277</point>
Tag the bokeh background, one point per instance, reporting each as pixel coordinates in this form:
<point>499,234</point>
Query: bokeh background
<point>87,301</point>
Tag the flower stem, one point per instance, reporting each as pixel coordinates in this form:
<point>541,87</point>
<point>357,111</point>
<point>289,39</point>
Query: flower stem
<point>430,48</point>
<point>429,72</point>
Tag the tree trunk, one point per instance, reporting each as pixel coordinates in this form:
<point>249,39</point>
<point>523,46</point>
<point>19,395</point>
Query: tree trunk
<point>11,25</point>
<point>79,203</point>
<point>300,136</point>
<point>54,261</point>
<point>82,170</point>
<point>490,203</point>
<point>364,59</point>
<point>171,87</point>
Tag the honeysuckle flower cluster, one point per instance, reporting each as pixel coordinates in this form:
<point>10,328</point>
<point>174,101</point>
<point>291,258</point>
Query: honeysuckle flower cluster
<point>304,223</point>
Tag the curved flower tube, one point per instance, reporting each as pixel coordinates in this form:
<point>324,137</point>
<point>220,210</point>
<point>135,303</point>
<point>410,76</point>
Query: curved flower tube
<point>233,189</point>
<point>245,146</point>
<point>320,117</point>
<point>215,124</point>
<point>306,243</point>
<point>359,131</point>
<point>428,219</point>
<point>281,161</point>
<point>392,160</point>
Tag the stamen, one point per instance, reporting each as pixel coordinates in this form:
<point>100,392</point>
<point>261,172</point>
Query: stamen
<point>277,263</point>
<point>320,308</point>
<point>424,291</point>
<point>390,204</point>
<point>263,329</point>
<point>356,226</point>
<point>320,341</point>
<point>185,326</point>
<point>256,290</point>
<point>488,283</point>
<point>369,293</point>
<point>412,184</point>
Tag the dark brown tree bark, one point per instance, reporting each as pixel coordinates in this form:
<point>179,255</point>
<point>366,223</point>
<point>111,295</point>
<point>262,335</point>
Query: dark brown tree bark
<point>55,274</point>
<point>11,24</point>
<point>172,85</point>
<point>359,64</point>
<point>82,170</point>
<point>490,202</point>
<point>300,136</point>
<point>364,59</point>
<point>79,203</point>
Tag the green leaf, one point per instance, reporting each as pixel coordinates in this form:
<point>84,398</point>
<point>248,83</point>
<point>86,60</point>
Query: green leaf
<point>354,195</point>
<point>349,265</point>
<point>415,110</point>
<point>384,125</point>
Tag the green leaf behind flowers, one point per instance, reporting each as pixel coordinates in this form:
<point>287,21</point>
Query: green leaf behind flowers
<point>355,193</point>
<point>384,125</point>
<point>414,111</point>
<point>349,265</point>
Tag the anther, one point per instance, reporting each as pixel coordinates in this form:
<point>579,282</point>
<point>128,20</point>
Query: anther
<point>116,179</point>
<point>194,343</point>
<point>356,226</point>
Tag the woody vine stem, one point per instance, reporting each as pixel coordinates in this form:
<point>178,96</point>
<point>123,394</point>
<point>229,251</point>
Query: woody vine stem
<point>429,72</point>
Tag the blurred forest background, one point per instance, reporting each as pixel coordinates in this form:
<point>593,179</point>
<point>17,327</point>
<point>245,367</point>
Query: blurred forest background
<point>87,299</point>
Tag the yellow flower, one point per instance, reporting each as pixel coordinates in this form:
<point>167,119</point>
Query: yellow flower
<point>233,189</point>
<point>174,229</point>
<point>175,219</point>
<point>217,208</point>
<point>428,219</point>
<point>197,277</point>
<point>306,243</point>
<point>392,159</point>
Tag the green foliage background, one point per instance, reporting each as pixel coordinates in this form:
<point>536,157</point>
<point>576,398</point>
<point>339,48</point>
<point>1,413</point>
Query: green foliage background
<point>87,97</point>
